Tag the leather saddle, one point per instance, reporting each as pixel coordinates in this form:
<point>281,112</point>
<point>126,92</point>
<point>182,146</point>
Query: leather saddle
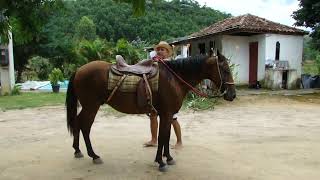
<point>146,67</point>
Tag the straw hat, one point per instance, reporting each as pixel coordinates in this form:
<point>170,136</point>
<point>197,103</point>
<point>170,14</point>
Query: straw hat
<point>164,44</point>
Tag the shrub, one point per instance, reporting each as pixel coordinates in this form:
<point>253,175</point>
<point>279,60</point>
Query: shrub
<point>128,51</point>
<point>98,49</point>
<point>40,66</point>
<point>16,90</point>
<point>195,102</point>
<point>318,62</point>
<point>55,76</point>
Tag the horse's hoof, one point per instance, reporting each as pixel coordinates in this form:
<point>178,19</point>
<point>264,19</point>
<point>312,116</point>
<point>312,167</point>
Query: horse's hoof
<point>97,161</point>
<point>163,168</point>
<point>171,162</point>
<point>78,155</point>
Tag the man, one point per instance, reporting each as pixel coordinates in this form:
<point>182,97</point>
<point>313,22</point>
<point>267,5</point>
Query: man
<point>163,51</point>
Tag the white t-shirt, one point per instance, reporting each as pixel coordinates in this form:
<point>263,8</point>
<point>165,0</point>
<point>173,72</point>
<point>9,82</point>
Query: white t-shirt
<point>179,57</point>
<point>153,54</point>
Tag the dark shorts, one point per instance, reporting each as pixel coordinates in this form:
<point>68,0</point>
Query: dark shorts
<point>175,116</point>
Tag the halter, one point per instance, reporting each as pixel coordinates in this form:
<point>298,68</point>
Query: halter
<point>221,83</point>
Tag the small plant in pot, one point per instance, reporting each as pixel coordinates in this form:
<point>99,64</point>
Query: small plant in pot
<point>54,77</point>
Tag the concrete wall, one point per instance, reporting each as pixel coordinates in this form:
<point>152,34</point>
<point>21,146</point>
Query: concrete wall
<point>236,48</point>
<point>273,79</point>
<point>7,72</point>
<point>291,48</point>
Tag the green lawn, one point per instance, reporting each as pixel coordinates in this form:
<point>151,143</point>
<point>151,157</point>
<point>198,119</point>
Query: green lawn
<point>34,99</point>
<point>37,99</point>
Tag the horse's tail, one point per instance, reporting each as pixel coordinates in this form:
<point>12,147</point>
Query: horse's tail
<point>71,105</point>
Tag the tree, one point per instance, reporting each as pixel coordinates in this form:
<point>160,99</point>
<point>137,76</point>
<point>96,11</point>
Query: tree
<point>27,15</point>
<point>138,6</point>
<point>61,39</point>
<point>86,29</point>
<point>128,51</point>
<point>23,11</point>
<point>25,18</point>
<point>309,15</point>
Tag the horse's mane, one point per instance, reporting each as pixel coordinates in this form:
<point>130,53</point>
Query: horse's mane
<point>190,65</point>
<point>221,57</point>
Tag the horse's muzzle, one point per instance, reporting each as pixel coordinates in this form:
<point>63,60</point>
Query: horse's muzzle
<point>230,95</point>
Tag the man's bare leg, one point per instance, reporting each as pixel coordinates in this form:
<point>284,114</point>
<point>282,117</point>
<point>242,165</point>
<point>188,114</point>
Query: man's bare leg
<point>177,130</point>
<point>154,131</point>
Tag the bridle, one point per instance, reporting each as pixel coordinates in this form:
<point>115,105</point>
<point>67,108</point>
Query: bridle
<point>221,81</point>
<point>196,91</point>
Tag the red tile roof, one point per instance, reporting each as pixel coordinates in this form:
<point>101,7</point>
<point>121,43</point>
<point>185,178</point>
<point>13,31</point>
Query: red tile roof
<point>249,24</point>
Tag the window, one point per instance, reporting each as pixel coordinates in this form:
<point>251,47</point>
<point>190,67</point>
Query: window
<point>212,46</point>
<point>189,49</point>
<point>277,50</point>
<point>202,48</point>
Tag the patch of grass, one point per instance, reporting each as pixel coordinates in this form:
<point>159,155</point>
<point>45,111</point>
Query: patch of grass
<point>310,67</point>
<point>198,103</point>
<point>34,99</point>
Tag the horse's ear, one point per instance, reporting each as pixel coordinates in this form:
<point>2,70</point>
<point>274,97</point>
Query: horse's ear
<point>220,56</point>
<point>214,52</point>
<point>211,52</point>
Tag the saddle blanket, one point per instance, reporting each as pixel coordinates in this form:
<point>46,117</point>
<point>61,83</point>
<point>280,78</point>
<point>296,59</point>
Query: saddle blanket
<point>131,82</point>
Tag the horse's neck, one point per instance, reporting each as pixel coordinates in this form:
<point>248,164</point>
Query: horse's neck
<point>188,79</point>
<point>193,81</point>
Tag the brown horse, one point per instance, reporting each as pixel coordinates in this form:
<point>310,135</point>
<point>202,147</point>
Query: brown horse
<point>89,87</point>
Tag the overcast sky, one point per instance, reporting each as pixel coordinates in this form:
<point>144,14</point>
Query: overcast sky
<point>275,10</point>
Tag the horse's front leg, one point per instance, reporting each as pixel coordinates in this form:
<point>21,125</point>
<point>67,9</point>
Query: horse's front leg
<point>163,141</point>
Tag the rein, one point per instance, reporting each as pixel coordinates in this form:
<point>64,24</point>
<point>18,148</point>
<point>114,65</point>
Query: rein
<point>196,91</point>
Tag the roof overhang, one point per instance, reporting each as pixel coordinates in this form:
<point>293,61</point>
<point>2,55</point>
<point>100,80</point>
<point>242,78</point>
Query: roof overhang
<point>238,32</point>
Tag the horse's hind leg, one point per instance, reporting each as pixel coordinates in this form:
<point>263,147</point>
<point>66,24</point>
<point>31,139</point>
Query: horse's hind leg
<point>166,151</point>
<point>86,118</point>
<point>76,135</point>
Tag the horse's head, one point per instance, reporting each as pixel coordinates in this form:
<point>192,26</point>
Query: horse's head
<point>220,74</point>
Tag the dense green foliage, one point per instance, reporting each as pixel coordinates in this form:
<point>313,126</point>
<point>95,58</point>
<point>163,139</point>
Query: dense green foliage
<point>311,57</point>
<point>309,52</point>
<point>26,17</point>
<point>309,16</point>
<point>85,30</point>
<point>40,67</point>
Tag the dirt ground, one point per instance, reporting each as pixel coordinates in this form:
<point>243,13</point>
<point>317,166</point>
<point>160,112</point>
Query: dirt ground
<point>254,137</point>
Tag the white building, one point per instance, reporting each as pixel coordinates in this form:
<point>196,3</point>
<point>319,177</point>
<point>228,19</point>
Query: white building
<point>250,42</point>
